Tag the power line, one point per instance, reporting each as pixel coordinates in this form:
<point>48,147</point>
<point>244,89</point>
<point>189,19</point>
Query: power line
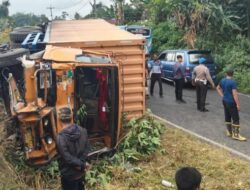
<point>51,11</point>
<point>68,7</point>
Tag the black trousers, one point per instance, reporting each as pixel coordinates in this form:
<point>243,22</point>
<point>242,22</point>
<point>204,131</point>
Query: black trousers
<point>72,184</point>
<point>201,94</point>
<point>155,77</point>
<point>179,83</point>
<point>231,113</point>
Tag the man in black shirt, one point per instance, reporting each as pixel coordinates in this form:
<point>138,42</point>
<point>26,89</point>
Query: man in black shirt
<point>73,148</point>
<point>179,79</point>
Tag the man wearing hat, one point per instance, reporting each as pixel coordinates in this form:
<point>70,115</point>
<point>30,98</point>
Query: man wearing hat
<point>227,89</point>
<point>73,148</point>
<point>200,77</point>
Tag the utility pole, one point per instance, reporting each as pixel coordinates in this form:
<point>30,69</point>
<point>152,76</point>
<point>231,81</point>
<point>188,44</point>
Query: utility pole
<point>94,9</point>
<point>93,5</point>
<point>51,11</point>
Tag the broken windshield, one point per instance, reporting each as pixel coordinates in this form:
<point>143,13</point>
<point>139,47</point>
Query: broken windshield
<point>93,59</point>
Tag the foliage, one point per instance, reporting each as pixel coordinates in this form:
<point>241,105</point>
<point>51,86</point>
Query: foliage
<point>101,11</point>
<point>32,177</point>
<point>100,174</point>
<point>4,31</point>
<point>143,137</point>
<point>166,36</point>
<point>81,114</point>
<point>22,19</point>
<point>4,9</point>
<point>235,55</point>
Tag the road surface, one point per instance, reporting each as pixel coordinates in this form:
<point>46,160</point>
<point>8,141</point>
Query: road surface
<point>208,124</point>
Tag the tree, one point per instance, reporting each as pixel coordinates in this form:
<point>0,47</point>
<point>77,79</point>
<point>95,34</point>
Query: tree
<point>119,11</point>
<point>77,16</point>
<point>195,17</point>
<point>22,19</point>
<point>64,15</point>
<point>4,9</point>
<point>101,11</point>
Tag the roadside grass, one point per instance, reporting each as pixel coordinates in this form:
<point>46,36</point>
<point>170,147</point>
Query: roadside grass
<point>220,169</point>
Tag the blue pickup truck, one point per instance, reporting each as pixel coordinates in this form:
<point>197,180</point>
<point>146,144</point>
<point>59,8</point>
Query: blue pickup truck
<point>190,58</point>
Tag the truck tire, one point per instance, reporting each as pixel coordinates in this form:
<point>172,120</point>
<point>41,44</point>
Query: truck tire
<point>20,33</point>
<point>9,58</point>
<point>15,45</point>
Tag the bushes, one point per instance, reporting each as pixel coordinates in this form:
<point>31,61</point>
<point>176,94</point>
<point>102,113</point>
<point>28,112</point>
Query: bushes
<point>142,139</point>
<point>235,55</point>
<point>167,36</point>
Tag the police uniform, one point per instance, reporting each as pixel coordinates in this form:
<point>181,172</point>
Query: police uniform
<point>200,77</point>
<point>179,79</point>
<point>156,76</point>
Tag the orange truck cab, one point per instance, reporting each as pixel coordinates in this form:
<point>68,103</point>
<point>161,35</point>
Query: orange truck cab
<point>87,82</point>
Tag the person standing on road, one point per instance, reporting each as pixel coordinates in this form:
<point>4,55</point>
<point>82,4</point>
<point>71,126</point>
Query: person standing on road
<point>73,148</point>
<point>227,89</point>
<point>156,72</point>
<point>200,77</point>
<point>179,79</point>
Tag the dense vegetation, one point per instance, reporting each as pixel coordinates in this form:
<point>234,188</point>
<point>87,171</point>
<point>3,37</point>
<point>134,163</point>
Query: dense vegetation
<point>222,26</point>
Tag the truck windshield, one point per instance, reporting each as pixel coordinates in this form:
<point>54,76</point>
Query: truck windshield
<point>93,59</point>
<point>194,57</point>
<point>142,31</point>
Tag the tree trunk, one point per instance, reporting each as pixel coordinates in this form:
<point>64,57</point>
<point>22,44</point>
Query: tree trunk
<point>119,10</point>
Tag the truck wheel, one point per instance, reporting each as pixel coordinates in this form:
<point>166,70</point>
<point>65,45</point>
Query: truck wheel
<point>14,45</point>
<point>20,33</point>
<point>9,58</point>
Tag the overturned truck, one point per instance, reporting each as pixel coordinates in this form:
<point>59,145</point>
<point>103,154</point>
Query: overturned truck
<point>90,66</point>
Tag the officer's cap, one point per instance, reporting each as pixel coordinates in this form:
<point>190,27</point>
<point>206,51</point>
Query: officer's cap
<point>202,60</point>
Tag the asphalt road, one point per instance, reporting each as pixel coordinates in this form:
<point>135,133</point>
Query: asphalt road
<point>209,124</point>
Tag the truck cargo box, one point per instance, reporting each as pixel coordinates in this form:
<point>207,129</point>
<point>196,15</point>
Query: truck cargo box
<point>126,48</point>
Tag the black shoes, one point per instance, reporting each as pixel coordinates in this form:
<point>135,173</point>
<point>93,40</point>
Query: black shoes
<point>203,110</point>
<point>181,101</point>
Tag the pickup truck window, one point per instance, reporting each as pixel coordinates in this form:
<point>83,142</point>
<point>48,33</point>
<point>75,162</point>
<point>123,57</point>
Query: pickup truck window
<point>194,57</point>
<point>171,56</point>
<point>180,53</point>
<point>162,56</point>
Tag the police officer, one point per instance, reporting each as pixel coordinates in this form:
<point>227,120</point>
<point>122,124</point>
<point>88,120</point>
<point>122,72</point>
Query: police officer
<point>156,75</point>
<point>179,79</point>
<point>200,77</point>
<point>227,89</point>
